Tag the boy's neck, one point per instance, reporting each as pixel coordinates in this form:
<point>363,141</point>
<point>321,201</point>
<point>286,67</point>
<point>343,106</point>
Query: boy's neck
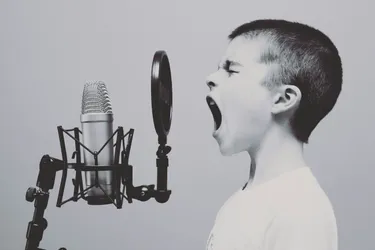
<point>279,152</point>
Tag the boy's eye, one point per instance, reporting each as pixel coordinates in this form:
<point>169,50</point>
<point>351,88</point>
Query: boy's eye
<point>231,71</point>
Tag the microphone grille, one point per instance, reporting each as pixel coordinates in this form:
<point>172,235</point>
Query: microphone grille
<point>95,98</point>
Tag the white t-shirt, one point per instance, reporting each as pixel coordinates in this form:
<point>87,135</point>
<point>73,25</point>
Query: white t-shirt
<point>290,212</point>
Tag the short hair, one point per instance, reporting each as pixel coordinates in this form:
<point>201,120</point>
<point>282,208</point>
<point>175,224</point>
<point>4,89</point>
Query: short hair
<point>306,58</point>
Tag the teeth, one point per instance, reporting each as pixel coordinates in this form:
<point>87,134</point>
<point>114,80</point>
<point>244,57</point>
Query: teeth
<point>210,101</point>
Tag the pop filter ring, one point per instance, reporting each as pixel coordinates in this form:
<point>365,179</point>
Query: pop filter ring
<point>161,95</point>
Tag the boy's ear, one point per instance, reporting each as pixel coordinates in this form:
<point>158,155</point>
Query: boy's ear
<point>286,98</point>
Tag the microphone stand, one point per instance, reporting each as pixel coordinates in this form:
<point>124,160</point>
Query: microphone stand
<point>123,174</point>
<point>46,179</point>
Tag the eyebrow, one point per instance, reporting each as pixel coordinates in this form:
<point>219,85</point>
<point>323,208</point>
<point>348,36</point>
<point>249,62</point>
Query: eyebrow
<point>227,63</point>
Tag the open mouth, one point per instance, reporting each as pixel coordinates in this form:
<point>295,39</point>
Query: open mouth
<point>215,111</point>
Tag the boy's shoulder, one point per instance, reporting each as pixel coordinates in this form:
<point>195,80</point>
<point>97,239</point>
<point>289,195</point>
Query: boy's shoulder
<point>301,210</point>
<point>299,198</point>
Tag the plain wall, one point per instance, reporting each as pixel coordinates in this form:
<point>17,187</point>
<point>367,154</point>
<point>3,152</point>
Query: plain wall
<point>48,50</point>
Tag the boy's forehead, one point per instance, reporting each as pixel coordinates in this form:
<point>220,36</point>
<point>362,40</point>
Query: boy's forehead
<point>244,50</point>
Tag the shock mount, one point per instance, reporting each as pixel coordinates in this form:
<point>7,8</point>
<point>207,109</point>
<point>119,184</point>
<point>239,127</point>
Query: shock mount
<point>122,179</point>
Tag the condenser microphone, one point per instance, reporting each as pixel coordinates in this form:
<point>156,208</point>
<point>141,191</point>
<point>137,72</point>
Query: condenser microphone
<point>101,155</point>
<point>97,129</point>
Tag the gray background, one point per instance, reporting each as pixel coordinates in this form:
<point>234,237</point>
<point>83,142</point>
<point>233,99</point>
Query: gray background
<point>48,51</point>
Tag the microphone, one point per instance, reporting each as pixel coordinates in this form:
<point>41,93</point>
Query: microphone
<point>108,174</point>
<point>97,129</point>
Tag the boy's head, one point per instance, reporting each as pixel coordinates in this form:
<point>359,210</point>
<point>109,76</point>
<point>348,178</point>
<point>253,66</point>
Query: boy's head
<point>274,72</point>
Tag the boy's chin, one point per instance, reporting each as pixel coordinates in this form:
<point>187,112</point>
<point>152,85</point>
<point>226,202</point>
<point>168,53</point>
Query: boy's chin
<point>228,149</point>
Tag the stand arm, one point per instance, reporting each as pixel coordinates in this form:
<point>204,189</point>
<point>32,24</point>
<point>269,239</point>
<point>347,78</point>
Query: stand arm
<point>46,178</point>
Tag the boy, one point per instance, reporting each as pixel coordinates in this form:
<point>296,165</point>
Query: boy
<point>276,82</point>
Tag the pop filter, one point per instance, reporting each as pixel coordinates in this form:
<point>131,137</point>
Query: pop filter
<point>161,95</point>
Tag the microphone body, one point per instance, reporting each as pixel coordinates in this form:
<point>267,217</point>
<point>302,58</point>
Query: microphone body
<point>97,128</point>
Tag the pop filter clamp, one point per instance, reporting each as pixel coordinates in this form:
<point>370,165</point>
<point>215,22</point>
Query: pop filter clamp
<point>161,95</point>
